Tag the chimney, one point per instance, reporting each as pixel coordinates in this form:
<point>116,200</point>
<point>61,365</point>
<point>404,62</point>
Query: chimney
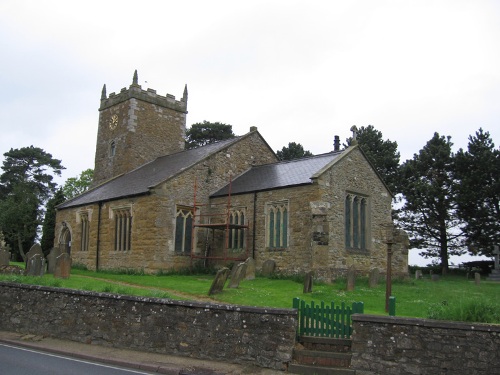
<point>336,143</point>
<point>253,128</point>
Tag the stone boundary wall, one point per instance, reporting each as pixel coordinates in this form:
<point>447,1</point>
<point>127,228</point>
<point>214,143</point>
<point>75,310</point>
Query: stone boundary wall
<point>237,334</point>
<point>408,346</point>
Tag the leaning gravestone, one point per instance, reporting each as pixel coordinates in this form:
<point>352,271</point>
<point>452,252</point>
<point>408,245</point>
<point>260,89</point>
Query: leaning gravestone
<point>308,282</point>
<point>63,266</point>
<point>250,272</point>
<point>4,258</point>
<point>268,267</point>
<point>351,278</point>
<point>237,275</point>
<point>219,281</point>
<point>35,266</point>
<point>374,278</point>
<point>51,259</point>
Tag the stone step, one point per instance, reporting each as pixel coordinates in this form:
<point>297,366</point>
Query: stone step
<point>296,368</point>
<point>322,358</point>
<point>326,344</point>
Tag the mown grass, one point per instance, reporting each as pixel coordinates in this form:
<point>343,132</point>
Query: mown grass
<point>450,298</point>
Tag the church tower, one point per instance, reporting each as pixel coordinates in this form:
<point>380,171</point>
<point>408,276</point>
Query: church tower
<point>135,127</point>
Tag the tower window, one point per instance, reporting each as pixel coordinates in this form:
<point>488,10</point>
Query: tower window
<point>112,148</point>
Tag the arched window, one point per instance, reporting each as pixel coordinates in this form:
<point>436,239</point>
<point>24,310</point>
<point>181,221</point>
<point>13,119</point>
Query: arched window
<point>356,226</point>
<point>183,230</point>
<point>112,148</point>
<point>277,223</point>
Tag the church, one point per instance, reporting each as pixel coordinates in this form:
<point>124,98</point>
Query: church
<point>155,206</point>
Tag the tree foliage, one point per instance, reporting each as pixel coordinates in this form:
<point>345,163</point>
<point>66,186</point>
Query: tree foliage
<point>77,185</point>
<point>293,151</point>
<point>26,185</point>
<point>49,221</point>
<point>429,211</point>
<point>203,133</point>
<point>383,154</point>
<point>478,193</point>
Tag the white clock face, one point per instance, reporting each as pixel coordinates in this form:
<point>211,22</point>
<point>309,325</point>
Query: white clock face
<point>113,122</point>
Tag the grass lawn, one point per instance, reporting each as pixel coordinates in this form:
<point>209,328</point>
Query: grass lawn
<point>414,298</point>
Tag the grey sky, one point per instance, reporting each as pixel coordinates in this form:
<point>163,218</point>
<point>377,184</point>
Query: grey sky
<point>300,71</point>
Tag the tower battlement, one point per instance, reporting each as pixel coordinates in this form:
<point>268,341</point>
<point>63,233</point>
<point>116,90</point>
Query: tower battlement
<point>150,96</point>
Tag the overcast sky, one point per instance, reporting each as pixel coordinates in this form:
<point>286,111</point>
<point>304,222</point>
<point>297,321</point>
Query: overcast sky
<point>301,71</point>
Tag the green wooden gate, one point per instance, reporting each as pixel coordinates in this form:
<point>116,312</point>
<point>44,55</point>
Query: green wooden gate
<point>325,320</point>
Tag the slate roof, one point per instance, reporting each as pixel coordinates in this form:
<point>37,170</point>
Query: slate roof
<point>141,179</point>
<point>279,175</point>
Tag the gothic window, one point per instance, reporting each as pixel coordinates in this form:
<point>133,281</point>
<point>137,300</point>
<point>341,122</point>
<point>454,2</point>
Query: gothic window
<point>277,225</point>
<point>356,222</point>
<point>84,231</point>
<point>183,230</point>
<point>236,236</point>
<point>123,229</point>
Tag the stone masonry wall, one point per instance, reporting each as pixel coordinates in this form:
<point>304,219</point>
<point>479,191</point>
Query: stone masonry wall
<point>237,334</point>
<point>407,346</point>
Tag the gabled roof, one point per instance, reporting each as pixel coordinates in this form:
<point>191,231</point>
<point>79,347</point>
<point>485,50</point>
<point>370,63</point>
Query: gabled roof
<point>141,179</point>
<point>279,175</point>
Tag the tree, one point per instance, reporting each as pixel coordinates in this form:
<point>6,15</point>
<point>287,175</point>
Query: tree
<point>201,134</point>
<point>293,151</point>
<point>478,193</point>
<point>77,185</point>
<point>429,211</point>
<point>26,185</point>
<point>383,154</point>
<point>49,221</point>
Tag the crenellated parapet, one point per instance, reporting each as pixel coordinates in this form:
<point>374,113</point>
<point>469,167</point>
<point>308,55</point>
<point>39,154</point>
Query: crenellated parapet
<point>150,96</point>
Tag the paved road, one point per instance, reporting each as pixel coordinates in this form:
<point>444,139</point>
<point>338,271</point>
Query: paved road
<point>21,361</point>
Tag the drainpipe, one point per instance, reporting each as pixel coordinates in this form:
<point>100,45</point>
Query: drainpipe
<point>98,237</point>
<point>254,229</point>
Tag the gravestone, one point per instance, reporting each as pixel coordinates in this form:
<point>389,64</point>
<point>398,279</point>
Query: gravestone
<point>495,272</point>
<point>35,266</point>
<point>268,267</point>
<point>418,274</point>
<point>36,249</point>
<point>4,257</point>
<point>62,268</point>
<point>477,278</point>
<point>374,278</point>
<point>308,282</point>
<point>250,273</point>
<point>219,281</point>
<point>351,278</point>
<point>435,277</point>
<point>51,259</point>
<point>237,274</point>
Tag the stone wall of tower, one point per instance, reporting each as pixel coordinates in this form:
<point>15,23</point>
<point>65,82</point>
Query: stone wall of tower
<point>135,127</point>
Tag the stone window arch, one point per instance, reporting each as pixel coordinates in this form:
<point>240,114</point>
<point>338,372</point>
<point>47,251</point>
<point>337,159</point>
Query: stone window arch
<point>356,221</point>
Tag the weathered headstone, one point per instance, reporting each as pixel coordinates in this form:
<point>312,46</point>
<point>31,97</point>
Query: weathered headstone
<point>36,249</point>
<point>63,266</point>
<point>238,274</point>
<point>374,278</point>
<point>51,259</point>
<point>351,278</point>
<point>4,258</point>
<point>250,273</point>
<point>477,278</point>
<point>35,266</point>
<point>268,267</point>
<point>219,281</point>
<point>418,274</point>
<point>308,282</point>
<point>435,277</point>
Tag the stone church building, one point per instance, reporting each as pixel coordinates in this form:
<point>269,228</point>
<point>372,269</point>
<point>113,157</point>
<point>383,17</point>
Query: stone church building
<point>155,206</point>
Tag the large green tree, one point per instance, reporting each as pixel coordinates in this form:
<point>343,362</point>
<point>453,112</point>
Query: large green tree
<point>49,221</point>
<point>293,151</point>
<point>203,133</point>
<point>429,213</point>
<point>77,185</point>
<point>26,185</point>
<point>478,193</point>
<point>383,154</point>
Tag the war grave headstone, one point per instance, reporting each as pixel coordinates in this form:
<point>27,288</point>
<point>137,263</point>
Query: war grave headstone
<point>351,278</point>
<point>268,267</point>
<point>51,259</point>
<point>374,278</point>
<point>219,281</point>
<point>250,270</point>
<point>308,282</point>
<point>62,268</point>
<point>238,275</point>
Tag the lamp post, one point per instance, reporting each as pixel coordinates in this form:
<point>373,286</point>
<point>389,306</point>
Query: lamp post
<point>389,241</point>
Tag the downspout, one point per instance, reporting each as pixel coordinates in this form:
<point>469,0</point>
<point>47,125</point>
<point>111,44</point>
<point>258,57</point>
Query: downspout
<point>98,237</point>
<point>254,229</point>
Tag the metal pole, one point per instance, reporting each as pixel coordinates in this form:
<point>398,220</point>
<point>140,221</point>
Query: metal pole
<point>388,281</point>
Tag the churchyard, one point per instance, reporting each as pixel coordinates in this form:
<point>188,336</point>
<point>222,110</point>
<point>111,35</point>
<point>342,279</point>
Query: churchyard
<point>453,297</point>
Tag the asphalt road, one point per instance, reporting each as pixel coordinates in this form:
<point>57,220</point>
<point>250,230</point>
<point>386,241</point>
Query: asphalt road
<point>21,361</point>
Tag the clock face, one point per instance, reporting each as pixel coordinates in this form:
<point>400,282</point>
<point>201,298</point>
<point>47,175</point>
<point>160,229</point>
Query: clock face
<point>113,122</point>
